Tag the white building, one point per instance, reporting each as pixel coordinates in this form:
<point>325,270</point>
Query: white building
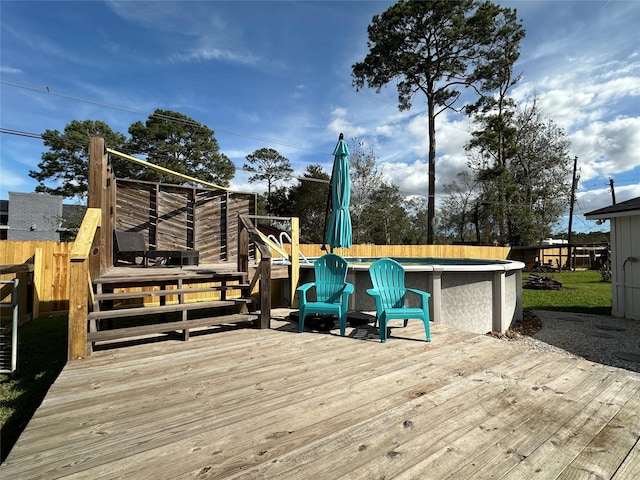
<point>625,255</point>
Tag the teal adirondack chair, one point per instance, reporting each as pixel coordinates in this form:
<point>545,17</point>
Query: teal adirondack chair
<point>332,290</point>
<point>389,292</point>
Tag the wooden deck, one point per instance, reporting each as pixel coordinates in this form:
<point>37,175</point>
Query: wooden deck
<point>273,404</point>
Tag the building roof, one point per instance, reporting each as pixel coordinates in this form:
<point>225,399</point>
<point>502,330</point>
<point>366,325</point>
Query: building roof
<point>622,209</point>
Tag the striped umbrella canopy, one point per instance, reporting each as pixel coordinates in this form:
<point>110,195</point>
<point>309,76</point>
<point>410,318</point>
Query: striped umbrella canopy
<point>339,232</point>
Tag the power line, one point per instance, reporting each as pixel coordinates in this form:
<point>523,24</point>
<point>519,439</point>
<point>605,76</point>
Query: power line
<point>20,134</point>
<point>156,115</point>
<point>38,136</point>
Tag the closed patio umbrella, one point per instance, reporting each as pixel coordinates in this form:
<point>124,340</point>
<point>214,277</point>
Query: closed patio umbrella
<point>338,234</point>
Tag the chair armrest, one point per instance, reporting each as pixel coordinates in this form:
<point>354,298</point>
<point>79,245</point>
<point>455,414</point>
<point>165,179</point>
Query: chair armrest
<point>346,291</point>
<point>303,289</point>
<point>376,296</point>
<point>424,296</point>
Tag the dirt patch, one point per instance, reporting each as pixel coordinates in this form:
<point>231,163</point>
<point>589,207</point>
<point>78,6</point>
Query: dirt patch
<point>527,327</point>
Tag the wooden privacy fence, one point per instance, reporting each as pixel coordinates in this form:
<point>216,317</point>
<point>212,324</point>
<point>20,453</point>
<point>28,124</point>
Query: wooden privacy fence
<point>176,217</point>
<point>415,251</point>
<point>50,273</point>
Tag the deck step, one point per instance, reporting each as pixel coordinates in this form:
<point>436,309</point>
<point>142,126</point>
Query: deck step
<point>164,293</point>
<point>179,307</point>
<point>127,332</point>
<point>155,277</point>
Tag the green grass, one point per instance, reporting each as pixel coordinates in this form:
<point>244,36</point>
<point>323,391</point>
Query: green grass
<point>42,347</point>
<point>582,292</point>
<point>42,352</point>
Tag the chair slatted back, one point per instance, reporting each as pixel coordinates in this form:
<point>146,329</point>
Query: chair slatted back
<point>331,275</point>
<point>387,277</point>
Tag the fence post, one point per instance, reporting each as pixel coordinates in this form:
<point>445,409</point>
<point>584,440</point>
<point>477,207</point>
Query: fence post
<point>38,287</point>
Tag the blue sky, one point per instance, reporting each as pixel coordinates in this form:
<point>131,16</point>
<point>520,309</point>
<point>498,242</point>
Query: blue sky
<point>278,75</point>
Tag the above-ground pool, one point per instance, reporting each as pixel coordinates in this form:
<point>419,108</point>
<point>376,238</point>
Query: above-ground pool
<point>475,295</point>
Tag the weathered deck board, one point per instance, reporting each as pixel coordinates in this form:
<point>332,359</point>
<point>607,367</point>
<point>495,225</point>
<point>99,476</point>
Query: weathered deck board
<point>245,403</point>
<point>603,456</point>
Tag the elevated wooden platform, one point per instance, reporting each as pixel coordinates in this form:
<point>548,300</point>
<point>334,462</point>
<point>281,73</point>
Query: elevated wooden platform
<point>150,288</point>
<point>202,295</point>
<point>272,404</point>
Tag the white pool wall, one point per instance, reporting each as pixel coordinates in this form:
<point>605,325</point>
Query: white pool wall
<point>475,298</point>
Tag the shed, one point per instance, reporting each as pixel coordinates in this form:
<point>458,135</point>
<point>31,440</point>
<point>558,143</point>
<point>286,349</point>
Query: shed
<point>625,255</point>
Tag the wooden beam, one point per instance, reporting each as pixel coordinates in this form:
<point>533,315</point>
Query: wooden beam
<point>294,274</point>
<point>164,170</point>
<point>100,183</point>
<point>272,245</point>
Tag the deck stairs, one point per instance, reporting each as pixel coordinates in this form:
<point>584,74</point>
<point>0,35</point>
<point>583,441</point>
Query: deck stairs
<point>144,301</point>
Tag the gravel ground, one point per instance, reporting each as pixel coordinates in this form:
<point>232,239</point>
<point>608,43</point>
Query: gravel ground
<point>598,338</point>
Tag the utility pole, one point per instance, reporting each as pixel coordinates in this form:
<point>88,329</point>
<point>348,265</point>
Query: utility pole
<point>574,185</point>
<point>613,191</point>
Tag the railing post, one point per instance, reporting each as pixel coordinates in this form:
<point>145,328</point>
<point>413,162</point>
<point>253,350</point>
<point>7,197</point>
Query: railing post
<point>295,260</point>
<point>101,186</point>
<point>243,247</point>
<point>78,308</point>
<point>79,283</point>
<point>265,292</point>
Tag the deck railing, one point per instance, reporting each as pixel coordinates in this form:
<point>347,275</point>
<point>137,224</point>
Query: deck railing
<point>247,232</point>
<point>80,283</point>
<point>9,329</point>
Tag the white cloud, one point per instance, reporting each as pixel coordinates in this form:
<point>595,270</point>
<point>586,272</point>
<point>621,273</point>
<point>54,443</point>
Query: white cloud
<point>11,182</point>
<point>339,123</point>
<point>607,148</point>
<point>9,70</point>
<point>207,53</point>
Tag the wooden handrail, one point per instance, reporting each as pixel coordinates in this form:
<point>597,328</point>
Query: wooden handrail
<point>82,244</point>
<point>80,283</point>
<point>293,257</point>
<point>248,232</point>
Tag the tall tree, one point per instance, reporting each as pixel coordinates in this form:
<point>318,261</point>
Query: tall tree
<point>66,164</point>
<point>541,170</point>
<point>307,200</point>
<point>179,143</point>
<point>523,194</point>
<point>388,223</point>
<point>268,165</point>
<point>436,47</point>
<point>378,213</point>
<point>365,180</point>
<point>416,207</point>
<point>494,137</point>
<point>458,214</point>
